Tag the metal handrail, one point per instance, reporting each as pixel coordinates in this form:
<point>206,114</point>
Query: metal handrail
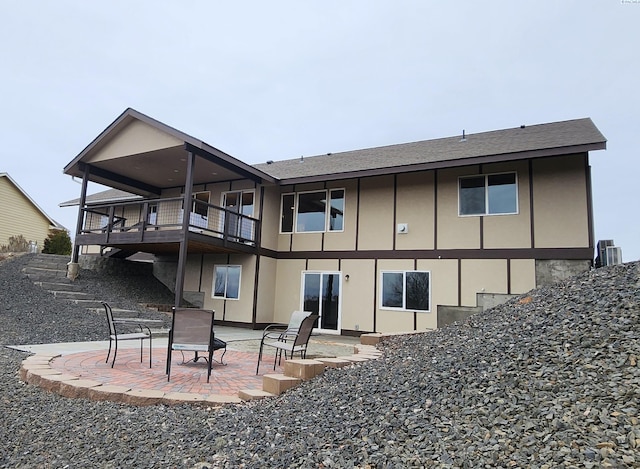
<point>167,213</point>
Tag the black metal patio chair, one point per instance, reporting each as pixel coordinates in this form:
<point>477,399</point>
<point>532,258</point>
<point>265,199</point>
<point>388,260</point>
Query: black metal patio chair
<point>292,342</point>
<point>115,336</point>
<point>192,331</point>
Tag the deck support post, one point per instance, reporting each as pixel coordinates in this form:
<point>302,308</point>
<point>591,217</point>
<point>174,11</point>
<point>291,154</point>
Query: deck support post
<point>186,217</point>
<point>72,267</point>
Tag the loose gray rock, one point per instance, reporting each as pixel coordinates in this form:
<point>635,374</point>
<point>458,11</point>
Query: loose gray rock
<point>550,379</point>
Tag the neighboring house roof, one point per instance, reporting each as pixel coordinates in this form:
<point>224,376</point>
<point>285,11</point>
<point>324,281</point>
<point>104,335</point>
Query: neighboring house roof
<point>33,202</point>
<point>110,195</point>
<point>572,136</point>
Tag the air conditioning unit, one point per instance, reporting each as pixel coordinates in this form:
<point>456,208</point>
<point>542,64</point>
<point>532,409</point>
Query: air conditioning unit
<point>603,244</point>
<point>613,256</point>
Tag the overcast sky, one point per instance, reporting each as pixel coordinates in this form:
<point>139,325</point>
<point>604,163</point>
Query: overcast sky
<point>265,80</point>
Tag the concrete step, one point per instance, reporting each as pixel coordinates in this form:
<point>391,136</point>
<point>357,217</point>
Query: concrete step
<point>42,273</point>
<point>86,303</point>
<point>58,286</point>
<point>253,394</point>
<point>304,368</point>
<point>334,362</point>
<point>71,295</point>
<point>278,383</point>
<point>48,265</point>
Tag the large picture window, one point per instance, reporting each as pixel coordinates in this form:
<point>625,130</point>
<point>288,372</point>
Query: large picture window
<point>493,194</point>
<point>226,282</point>
<point>315,211</point>
<point>406,290</point>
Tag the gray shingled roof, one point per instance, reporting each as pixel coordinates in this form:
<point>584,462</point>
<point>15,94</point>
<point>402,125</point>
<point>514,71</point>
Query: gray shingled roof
<point>110,195</point>
<point>508,142</point>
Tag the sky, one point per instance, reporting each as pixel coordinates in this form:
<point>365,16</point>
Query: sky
<point>282,79</point>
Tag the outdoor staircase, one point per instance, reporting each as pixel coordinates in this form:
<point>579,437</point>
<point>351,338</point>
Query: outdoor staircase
<point>49,271</point>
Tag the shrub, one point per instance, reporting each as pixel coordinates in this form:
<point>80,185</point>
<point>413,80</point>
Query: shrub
<point>58,242</point>
<point>16,244</point>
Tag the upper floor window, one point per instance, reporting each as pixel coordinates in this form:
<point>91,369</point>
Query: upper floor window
<point>490,194</point>
<point>314,211</point>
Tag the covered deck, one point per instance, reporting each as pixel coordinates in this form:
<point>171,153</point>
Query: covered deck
<point>157,226</point>
<point>163,169</point>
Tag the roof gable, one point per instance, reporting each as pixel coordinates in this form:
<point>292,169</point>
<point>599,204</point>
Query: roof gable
<point>135,137</point>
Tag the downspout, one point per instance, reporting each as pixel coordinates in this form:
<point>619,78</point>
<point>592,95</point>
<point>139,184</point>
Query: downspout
<point>186,216</point>
<point>73,267</point>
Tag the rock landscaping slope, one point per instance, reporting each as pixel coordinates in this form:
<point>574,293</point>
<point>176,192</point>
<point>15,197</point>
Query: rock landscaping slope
<point>550,379</point>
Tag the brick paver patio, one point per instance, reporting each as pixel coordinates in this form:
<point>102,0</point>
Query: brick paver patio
<point>238,373</point>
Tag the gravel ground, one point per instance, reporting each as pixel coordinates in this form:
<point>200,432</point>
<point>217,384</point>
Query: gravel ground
<point>550,379</point>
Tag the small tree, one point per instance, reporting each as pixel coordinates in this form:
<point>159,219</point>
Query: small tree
<point>58,242</point>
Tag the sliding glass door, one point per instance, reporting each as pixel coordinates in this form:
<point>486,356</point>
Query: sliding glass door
<point>321,295</point>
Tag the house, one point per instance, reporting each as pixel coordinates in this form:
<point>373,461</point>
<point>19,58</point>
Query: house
<point>396,238</point>
<point>20,215</point>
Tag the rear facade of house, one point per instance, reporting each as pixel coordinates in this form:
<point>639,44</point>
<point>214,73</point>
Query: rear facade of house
<point>390,239</point>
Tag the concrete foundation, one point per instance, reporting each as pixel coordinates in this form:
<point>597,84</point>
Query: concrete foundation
<point>489,300</point>
<point>552,271</point>
<point>114,266</point>
<point>451,314</point>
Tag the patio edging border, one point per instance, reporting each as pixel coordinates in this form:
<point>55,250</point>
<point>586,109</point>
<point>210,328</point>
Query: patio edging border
<point>36,370</point>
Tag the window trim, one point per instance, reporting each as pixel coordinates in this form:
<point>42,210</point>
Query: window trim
<point>404,291</point>
<point>486,195</point>
<point>327,210</point>
<point>213,285</point>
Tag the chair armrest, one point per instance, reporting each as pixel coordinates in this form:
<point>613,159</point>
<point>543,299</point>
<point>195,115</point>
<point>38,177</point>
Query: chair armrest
<point>273,331</point>
<point>137,321</point>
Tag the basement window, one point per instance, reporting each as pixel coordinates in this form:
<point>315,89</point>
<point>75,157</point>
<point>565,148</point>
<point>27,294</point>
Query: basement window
<point>226,282</point>
<point>408,290</point>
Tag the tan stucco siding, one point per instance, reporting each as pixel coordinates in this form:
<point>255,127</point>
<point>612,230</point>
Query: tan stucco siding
<point>455,232</point>
<point>376,221</point>
<point>415,207</point>
<point>18,216</point>
<point>271,219</point>
<point>482,276</point>
<point>137,137</point>
<point>444,288</point>
<point>560,202</point>
<point>523,275</point>
<point>240,310</point>
<point>266,290</point>
<point>288,285</point>
<point>510,231</point>
<point>358,294</point>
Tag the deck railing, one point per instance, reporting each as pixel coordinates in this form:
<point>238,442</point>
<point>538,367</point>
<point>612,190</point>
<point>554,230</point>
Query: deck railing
<point>167,214</point>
